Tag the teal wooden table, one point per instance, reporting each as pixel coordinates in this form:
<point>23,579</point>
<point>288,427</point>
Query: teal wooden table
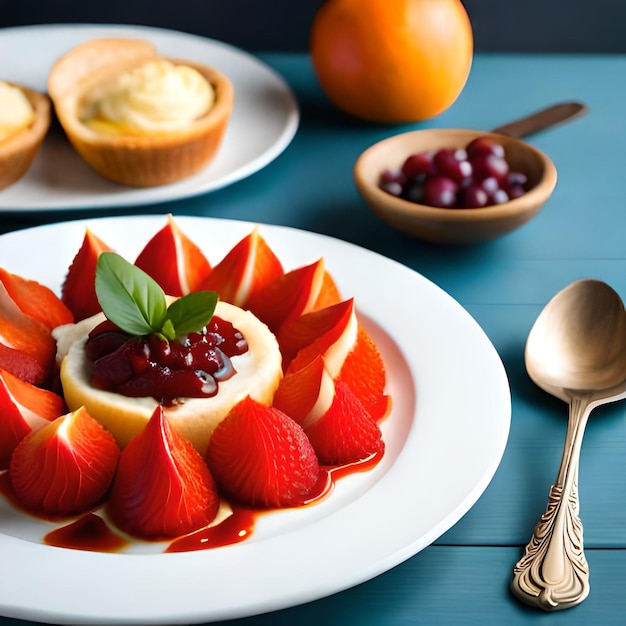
<point>463,578</point>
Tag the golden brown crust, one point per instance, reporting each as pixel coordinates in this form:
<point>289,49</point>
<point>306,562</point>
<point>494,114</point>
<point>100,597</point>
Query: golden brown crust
<point>146,160</point>
<point>18,152</point>
<point>85,59</point>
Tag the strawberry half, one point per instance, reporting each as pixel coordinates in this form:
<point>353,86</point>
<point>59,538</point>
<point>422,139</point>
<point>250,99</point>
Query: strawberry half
<point>174,261</point>
<point>364,372</point>
<point>293,294</point>
<point>27,348</point>
<point>262,458</point>
<point>23,407</point>
<point>322,327</point>
<point>64,468</point>
<point>243,274</point>
<point>36,300</point>
<point>305,394</point>
<point>346,433</point>
<point>79,291</point>
<point>162,488</point>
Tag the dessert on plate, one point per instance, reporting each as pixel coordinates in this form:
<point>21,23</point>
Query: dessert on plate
<point>166,415</point>
<point>137,118</point>
<point>24,122</point>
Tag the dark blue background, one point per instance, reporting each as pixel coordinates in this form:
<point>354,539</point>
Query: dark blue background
<point>283,25</point>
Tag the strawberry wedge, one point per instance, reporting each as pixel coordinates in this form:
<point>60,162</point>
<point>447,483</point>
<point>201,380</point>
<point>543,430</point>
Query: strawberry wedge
<point>162,488</point>
<point>27,348</point>
<point>174,261</point>
<point>23,408</point>
<point>36,300</point>
<point>64,468</point>
<point>260,457</point>
<point>346,433</point>
<point>79,292</point>
<point>245,272</point>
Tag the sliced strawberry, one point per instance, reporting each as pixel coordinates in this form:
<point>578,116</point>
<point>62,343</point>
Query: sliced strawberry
<point>364,372</point>
<point>23,407</point>
<point>36,300</point>
<point>64,468</point>
<point>346,433</point>
<point>174,261</point>
<point>245,272</point>
<point>293,294</point>
<point>162,488</point>
<point>79,291</point>
<point>329,293</point>
<point>27,348</point>
<point>305,394</point>
<point>323,326</point>
<point>260,457</point>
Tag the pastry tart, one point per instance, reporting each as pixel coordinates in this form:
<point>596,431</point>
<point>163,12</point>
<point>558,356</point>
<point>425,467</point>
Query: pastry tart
<point>136,118</point>
<point>19,144</point>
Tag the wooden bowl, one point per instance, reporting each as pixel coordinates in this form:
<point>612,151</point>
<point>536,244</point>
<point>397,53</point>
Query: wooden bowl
<point>453,226</point>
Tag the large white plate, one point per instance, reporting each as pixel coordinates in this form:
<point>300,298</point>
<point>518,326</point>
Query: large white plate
<point>444,440</point>
<point>263,122</point>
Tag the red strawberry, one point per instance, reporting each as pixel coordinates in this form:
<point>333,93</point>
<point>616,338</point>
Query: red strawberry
<point>305,394</point>
<point>260,457</point>
<point>323,326</point>
<point>162,488</point>
<point>79,291</point>
<point>293,294</point>
<point>23,407</point>
<point>27,348</point>
<point>364,372</point>
<point>329,293</point>
<point>36,300</point>
<point>64,468</point>
<point>174,261</point>
<point>245,271</point>
<point>346,433</point>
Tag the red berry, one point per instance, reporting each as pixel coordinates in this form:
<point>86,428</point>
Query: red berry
<point>261,457</point>
<point>440,191</point>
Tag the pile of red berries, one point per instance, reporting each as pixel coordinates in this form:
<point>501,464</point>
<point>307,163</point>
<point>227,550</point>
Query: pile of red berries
<point>464,178</point>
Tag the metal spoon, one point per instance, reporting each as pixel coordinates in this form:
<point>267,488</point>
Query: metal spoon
<point>576,351</point>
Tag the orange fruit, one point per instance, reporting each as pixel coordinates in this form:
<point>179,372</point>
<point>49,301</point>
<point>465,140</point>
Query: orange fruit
<point>392,60</point>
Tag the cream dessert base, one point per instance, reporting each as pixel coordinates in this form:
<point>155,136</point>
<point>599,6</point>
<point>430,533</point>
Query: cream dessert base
<point>259,372</point>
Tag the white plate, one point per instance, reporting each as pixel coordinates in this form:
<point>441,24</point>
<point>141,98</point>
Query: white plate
<point>444,440</point>
<point>263,122</point>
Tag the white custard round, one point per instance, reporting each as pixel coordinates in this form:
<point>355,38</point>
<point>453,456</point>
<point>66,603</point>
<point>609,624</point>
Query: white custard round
<point>16,112</point>
<point>259,371</point>
<point>158,96</point>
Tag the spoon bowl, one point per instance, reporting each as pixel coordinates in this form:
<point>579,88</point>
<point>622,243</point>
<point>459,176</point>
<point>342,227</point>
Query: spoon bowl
<point>576,351</point>
<point>585,353</point>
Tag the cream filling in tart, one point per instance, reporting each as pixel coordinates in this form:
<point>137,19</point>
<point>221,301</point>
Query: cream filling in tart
<point>16,112</point>
<point>155,97</point>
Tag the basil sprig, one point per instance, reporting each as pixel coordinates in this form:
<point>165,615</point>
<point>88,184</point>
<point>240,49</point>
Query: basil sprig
<point>135,302</point>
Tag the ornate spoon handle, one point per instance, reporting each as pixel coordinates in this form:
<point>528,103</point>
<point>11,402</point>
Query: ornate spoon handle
<point>553,573</point>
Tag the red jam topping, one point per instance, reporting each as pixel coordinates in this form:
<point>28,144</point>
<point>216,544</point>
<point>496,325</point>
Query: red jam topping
<point>187,367</point>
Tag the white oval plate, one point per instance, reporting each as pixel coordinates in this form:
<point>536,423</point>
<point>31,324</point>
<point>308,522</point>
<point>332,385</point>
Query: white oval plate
<point>263,122</point>
<point>444,439</point>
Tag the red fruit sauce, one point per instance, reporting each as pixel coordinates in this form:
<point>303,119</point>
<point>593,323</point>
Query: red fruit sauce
<point>187,367</point>
<point>91,532</point>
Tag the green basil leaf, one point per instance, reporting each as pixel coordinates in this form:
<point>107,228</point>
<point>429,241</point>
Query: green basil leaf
<point>192,312</point>
<point>128,296</point>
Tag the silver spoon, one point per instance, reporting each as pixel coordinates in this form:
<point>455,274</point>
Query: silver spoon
<point>576,351</point>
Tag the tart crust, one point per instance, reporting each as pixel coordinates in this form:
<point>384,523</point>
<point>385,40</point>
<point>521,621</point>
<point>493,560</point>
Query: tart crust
<point>18,152</point>
<point>136,160</point>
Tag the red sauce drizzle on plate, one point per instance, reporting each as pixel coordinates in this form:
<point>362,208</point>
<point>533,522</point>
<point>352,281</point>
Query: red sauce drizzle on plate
<point>91,532</point>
